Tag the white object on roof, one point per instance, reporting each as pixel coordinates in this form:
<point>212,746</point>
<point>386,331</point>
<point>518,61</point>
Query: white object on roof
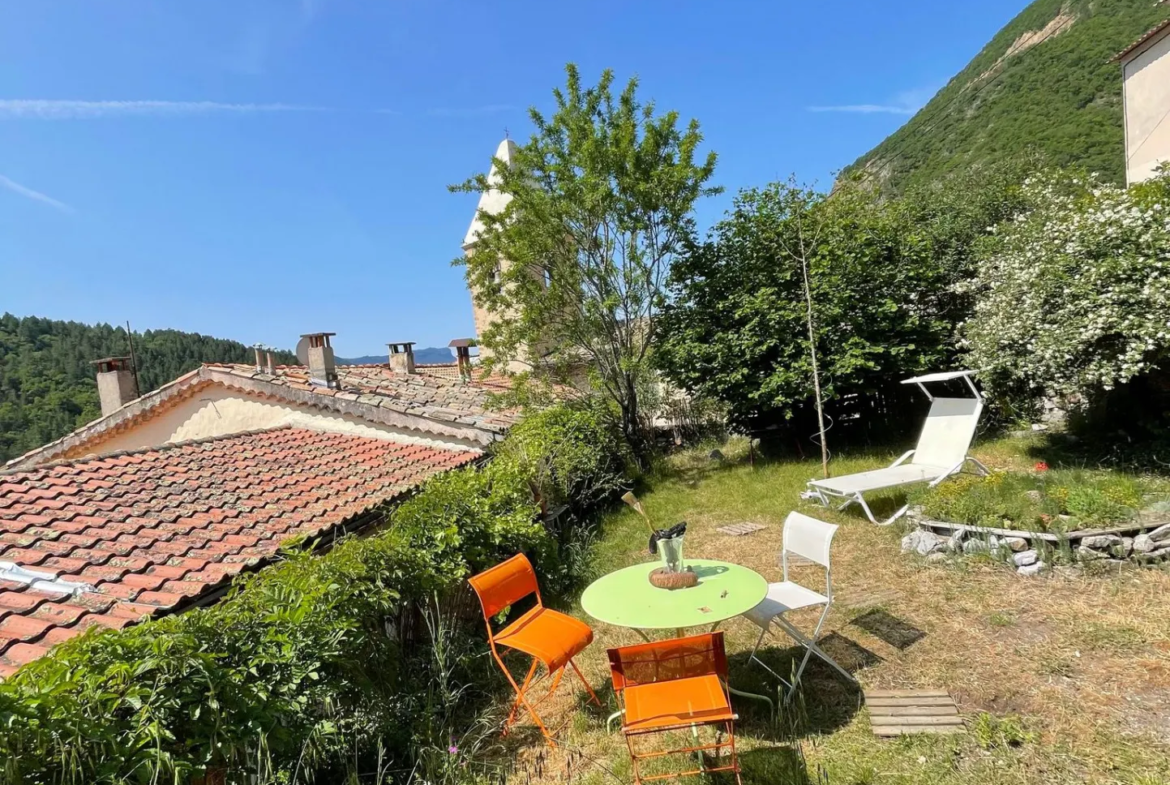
<point>40,581</point>
<point>492,201</point>
<point>941,452</point>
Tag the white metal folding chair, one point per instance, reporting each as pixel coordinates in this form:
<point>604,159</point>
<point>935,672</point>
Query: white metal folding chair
<point>941,451</point>
<point>810,538</point>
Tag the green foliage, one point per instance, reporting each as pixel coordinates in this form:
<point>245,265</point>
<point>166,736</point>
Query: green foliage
<point>310,663</point>
<point>47,386</point>
<point>993,732</point>
<point>882,275</point>
<point>599,203</point>
<point>1071,294</point>
<point>1057,501</point>
<point>572,452</point>
<point>1061,97</point>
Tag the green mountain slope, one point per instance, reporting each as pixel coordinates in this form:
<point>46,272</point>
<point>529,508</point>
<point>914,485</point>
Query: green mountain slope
<point>1044,83</point>
<point>47,386</point>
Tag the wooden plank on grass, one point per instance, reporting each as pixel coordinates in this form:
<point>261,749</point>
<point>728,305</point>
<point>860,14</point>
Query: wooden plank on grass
<point>918,711</point>
<point>910,721</point>
<point>925,701</point>
<point>902,712</point>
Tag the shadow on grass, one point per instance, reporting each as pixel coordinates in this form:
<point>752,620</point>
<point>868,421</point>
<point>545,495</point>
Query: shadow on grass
<point>780,765</point>
<point>889,628</point>
<point>824,703</point>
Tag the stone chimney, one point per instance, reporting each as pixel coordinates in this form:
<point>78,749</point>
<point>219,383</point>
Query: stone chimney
<point>259,348</point>
<point>271,366</point>
<point>462,347</point>
<point>402,357</point>
<point>116,383</point>
<point>322,368</point>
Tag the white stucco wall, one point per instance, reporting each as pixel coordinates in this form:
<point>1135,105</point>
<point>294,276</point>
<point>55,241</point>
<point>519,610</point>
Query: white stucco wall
<point>1147,110</point>
<point>219,411</point>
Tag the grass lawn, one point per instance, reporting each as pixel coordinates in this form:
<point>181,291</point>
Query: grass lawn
<point>1060,679</point>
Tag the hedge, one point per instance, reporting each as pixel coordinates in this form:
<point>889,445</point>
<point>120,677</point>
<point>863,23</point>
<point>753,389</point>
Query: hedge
<point>305,663</point>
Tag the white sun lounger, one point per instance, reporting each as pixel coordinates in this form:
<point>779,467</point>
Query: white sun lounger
<point>941,451</point>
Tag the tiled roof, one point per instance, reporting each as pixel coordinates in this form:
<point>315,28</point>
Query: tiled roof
<point>433,395</point>
<point>106,541</point>
<point>1151,33</point>
<point>429,403</point>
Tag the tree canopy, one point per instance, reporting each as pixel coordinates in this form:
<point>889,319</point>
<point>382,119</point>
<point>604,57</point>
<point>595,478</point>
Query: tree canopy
<point>575,267</point>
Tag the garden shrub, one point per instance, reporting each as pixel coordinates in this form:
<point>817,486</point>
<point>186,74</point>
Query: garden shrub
<point>1071,295</point>
<point>304,665</point>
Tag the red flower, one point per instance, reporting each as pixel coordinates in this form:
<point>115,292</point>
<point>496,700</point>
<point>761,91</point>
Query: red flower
<point>1041,466</point>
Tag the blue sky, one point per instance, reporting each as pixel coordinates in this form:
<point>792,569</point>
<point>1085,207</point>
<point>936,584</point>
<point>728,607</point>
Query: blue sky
<point>257,169</point>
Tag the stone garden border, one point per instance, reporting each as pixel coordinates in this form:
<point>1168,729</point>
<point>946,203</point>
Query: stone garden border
<point>1148,545</point>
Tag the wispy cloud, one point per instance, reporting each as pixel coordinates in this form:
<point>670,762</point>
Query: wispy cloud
<point>39,109</point>
<point>36,196</point>
<point>865,109</point>
<point>906,103</point>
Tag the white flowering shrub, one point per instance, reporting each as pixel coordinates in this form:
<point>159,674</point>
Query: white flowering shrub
<point>1073,294</point>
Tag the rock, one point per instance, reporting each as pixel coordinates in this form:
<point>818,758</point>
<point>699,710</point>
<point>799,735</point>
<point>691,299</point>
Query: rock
<point>715,455</point>
<point>1090,554</point>
<point>1031,570</point>
<point>1026,558</point>
<point>1161,534</point>
<point>1123,550</point>
<point>1153,556</point>
<point>1034,496</point>
<point>936,557</point>
<point>1143,544</point>
<point>1016,544</point>
<point>922,542</point>
<point>955,543</point>
<point>971,547</point>
<point>1100,542</point>
<point>1068,570</point>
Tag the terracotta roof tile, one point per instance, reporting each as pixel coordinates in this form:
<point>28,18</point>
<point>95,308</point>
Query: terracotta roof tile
<point>155,530</point>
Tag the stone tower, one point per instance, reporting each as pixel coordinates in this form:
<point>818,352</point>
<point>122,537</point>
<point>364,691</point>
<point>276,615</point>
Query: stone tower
<point>491,202</point>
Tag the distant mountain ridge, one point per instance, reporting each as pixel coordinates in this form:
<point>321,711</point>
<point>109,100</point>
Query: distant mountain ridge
<point>433,355</point>
<point>1045,82</point>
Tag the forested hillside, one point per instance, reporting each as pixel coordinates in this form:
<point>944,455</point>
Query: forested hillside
<point>47,385</point>
<point>1044,83</point>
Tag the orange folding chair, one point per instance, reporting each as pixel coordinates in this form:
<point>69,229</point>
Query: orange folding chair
<point>550,638</point>
<point>675,685</point>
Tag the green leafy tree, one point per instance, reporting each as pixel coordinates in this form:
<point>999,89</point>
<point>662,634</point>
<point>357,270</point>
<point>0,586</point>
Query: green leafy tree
<point>575,267</point>
<point>879,275</point>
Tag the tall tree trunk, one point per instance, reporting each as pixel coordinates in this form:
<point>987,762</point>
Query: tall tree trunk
<point>812,353</point>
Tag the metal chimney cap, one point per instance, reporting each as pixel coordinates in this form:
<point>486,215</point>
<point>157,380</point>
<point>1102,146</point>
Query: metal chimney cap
<point>462,343</point>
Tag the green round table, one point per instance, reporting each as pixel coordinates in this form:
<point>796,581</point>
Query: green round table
<point>626,598</point>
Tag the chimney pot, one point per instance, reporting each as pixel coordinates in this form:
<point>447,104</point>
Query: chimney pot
<point>259,364</point>
<point>271,366</point>
<point>462,347</point>
<point>322,367</point>
<point>116,383</point>
<point>402,357</point>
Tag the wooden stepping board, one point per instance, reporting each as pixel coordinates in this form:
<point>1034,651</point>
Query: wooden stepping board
<point>740,529</point>
<point>900,712</point>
